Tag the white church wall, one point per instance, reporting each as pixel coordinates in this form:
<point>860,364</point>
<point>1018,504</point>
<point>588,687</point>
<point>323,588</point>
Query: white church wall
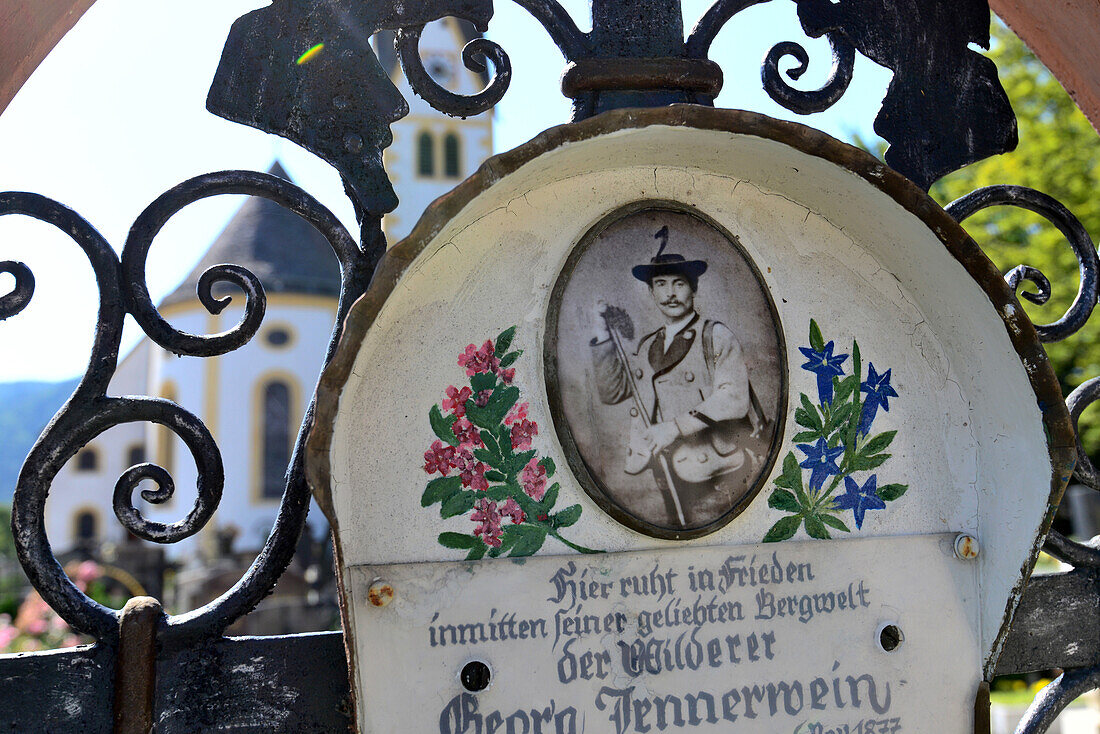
<point>441,50</point>
<point>77,490</point>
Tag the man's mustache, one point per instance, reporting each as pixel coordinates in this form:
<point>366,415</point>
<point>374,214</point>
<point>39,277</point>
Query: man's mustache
<point>672,302</point>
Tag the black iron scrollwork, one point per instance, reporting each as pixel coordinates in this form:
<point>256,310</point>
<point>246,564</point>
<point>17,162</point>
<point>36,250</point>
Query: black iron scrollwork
<point>945,106</point>
<point>474,55</point>
<point>90,411</point>
<point>1075,232</point>
<point>801,101</point>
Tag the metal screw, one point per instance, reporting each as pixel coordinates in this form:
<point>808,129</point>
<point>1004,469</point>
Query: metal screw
<point>380,593</point>
<point>966,547</point>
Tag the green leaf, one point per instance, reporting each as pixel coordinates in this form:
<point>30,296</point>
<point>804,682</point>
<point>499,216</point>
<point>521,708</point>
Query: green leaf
<point>494,476</point>
<point>498,492</point>
<point>488,457</point>
<point>878,443</point>
<point>500,403</point>
<point>440,490</point>
<point>510,358</point>
<point>834,522</point>
<point>442,427</point>
<point>508,538</point>
<point>817,343</point>
<point>531,539</point>
<point>791,477</point>
<point>784,529</point>
<point>839,416</point>
<point>459,541</point>
<point>843,388</point>
<point>815,528</point>
<point>483,381</point>
<point>891,492</point>
<point>866,463</point>
<point>478,551</point>
<point>567,517</point>
<point>806,436</point>
<point>504,340</point>
<point>781,499</point>
<point>550,498</point>
<point>490,441</point>
<point>548,464</point>
<point>811,414</point>
<point>516,463</point>
<point>458,504</point>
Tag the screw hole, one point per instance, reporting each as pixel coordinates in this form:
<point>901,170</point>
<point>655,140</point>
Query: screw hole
<point>890,637</point>
<point>475,676</point>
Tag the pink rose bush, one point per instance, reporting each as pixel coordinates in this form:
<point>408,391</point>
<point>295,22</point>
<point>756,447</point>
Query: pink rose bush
<point>38,627</point>
<point>487,466</point>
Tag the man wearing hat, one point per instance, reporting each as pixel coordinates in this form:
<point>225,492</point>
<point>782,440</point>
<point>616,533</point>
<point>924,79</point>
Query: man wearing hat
<point>694,422</point>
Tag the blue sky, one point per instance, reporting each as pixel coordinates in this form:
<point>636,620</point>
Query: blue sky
<point>115,116</point>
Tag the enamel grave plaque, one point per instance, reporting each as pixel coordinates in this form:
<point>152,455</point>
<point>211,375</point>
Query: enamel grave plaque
<point>684,419</point>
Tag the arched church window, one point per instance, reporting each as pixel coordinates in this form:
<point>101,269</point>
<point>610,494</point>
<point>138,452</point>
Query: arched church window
<point>276,432</point>
<point>425,154</point>
<point>451,156</point>
<point>87,460</point>
<point>86,526</point>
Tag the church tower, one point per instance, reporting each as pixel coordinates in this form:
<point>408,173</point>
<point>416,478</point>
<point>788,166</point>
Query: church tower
<point>432,152</point>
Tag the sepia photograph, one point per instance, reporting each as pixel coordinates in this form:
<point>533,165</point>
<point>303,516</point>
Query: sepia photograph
<point>666,371</point>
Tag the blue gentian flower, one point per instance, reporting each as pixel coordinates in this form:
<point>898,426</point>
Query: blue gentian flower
<point>879,392</point>
<point>821,461</point>
<point>859,499</point>
<point>826,367</point>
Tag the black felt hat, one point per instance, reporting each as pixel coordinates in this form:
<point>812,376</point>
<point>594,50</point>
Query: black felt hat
<point>669,264</point>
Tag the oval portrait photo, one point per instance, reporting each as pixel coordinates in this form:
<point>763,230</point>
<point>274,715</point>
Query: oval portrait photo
<point>666,371</point>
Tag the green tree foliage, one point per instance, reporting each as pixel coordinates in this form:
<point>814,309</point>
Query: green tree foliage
<point>1059,154</point>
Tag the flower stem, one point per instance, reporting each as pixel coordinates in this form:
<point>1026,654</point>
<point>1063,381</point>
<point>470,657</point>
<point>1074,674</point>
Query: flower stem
<point>574,546</point>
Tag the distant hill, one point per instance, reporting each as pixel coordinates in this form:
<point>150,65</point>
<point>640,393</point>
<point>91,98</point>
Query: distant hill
<point>25,409</point>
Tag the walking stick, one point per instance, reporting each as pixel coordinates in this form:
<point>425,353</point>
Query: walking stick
<point>616,319</point>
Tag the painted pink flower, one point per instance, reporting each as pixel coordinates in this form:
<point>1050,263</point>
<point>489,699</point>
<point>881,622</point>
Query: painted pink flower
<point>482,398</point>
<point>487,515</point>
<point>522,432</point>
<point>471,471</point>
<point>517,413</point>
<point>7,635</point>
<point>71,641</point>
<point>439,458</point>
<point>455,402</point>
<point>36,627</point>
<point>477,360</point>
<point>511,509</point>
<point>533,479</point>
<point>507,375</point>
<point>466,433</point>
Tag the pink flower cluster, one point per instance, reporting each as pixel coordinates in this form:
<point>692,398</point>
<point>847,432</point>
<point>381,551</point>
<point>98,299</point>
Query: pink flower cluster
<point>523,430</point>
<point>36,626</point>
<point>533,479</point>
<point>484,359</point>
<point>489,515</point>
<point>445,459</point>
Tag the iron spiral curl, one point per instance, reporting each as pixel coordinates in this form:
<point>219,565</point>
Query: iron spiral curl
<point>20,296</point>
<point>805,102</point>
<point>474,55</point>
<point>1051,209</point>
